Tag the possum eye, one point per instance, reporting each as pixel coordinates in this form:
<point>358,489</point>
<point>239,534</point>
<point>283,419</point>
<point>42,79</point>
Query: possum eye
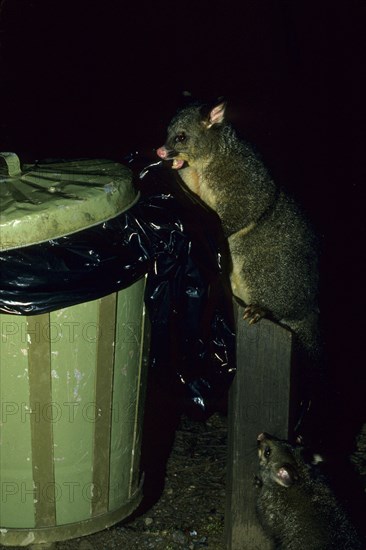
<point>180,138</point>
<point>267,451</point>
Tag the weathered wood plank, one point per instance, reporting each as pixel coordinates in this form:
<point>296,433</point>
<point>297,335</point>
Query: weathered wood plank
<point>260,400</point>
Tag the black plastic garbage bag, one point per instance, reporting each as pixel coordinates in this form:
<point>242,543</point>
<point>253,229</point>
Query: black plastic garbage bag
<point>188,296</point>
<point>178,242</point>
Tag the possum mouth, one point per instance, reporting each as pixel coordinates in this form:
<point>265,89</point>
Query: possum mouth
<point>169,154</point>
<point>177,164</point>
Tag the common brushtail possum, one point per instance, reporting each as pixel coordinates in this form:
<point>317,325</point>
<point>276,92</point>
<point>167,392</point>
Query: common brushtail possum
<point>295,505</point>
<point>273,249</point>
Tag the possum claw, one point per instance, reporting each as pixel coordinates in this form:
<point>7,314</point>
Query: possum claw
<point>253,313</point>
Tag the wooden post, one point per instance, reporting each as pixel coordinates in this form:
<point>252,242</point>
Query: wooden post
<point>260,400</point>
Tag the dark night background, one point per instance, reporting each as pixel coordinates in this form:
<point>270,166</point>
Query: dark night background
<point>102,79</point>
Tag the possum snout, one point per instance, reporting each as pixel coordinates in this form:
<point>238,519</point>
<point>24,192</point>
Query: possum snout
<point>162,152</point>
<point>167,154</point>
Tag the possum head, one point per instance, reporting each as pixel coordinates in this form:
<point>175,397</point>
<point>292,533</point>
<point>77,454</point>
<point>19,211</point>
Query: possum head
<point>277,461</point>
<point>286,464</point>
<point>192,134</point>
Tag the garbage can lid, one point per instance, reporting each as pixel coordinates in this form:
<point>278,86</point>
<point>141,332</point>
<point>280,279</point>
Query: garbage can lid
<point>40,202</point>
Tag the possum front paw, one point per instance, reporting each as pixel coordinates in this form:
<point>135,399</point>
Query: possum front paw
<point>254,313</point>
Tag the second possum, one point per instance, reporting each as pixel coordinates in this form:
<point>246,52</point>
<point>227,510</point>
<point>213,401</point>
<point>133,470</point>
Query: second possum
<point>295,504</point>
<point>273,251</point>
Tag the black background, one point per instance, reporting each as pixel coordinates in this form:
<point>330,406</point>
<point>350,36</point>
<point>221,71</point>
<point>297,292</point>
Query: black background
<point>102,79</point>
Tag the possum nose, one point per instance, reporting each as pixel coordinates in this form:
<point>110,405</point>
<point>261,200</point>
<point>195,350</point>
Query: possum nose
<point>162,152</point>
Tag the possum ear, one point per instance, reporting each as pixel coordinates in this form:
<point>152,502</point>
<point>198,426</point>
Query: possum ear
<point>286,475</point>
<point>215,115</point>
<point>317,459</point>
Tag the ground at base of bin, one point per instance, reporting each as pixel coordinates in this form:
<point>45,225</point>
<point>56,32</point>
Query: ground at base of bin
<point>189,514</point>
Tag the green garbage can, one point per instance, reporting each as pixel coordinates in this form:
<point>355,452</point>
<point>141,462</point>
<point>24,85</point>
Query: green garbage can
<point>72,381</point>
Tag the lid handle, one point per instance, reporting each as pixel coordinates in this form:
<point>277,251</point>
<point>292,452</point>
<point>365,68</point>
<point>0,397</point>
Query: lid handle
<point>13,163</point>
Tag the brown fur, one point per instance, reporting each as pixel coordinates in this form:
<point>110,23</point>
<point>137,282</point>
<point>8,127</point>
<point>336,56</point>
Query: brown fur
<point>273,252</point>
